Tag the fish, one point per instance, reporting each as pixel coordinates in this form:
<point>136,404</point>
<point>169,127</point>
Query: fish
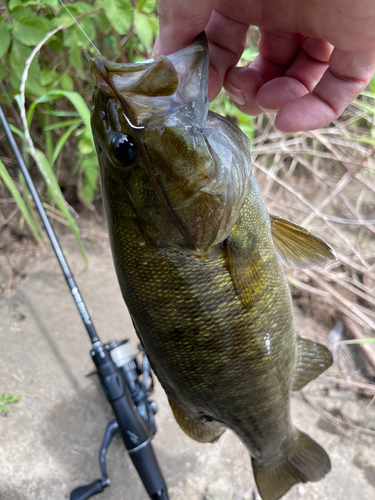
<point>199,261</point>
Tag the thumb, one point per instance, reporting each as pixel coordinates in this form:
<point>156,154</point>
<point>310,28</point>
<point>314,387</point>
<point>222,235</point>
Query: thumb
<point>180,22</point>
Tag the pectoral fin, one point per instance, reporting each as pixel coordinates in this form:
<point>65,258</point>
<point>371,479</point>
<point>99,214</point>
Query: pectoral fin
<point>297,247</point>
<point>245,268</point>
<point>197,428</point>
<point>311,360</point>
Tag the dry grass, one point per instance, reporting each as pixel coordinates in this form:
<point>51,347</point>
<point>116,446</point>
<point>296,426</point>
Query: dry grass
<point>324,180</point>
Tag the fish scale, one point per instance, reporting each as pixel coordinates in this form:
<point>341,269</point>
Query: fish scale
<point>198,259</point>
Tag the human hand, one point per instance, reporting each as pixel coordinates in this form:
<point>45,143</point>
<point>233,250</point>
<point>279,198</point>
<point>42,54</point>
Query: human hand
<point>314,57</point>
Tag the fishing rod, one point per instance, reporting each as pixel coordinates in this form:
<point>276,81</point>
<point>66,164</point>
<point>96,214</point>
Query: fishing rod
<point>120,374</point>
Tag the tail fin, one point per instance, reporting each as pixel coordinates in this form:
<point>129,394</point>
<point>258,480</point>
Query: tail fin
<point>303,461</point>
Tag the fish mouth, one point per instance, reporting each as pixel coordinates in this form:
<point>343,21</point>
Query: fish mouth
<point>181,77</point>
<point>150,78</point>
<point>186,71</point>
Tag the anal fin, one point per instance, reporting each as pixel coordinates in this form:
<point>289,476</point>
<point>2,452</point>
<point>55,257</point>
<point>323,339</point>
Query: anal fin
<point>197,428</point>
<point>311,360</point>
<point>304,460</point>
<point>297,247</point>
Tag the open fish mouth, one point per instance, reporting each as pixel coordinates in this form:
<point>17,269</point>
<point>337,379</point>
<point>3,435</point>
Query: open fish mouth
<point>151,78</point>
<point>153,88</point>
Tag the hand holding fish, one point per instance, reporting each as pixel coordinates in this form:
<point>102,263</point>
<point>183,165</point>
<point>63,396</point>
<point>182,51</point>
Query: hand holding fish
<point>198,259</point>
<point>314,57</point>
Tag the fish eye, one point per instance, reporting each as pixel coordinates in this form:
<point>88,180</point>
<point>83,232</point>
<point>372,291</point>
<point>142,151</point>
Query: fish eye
<point>124,150</point>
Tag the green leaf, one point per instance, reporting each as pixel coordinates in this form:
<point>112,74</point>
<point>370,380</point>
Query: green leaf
<point>55,44</point>
<point>18,56</point>
<point>28,27</point>
<point>88,27</point>
<point>249,55</point>
<point>55,192</point>
<point>143,29</point>
<point>13,4</point>
<point>147,6</point>
<point>52,3</point>
<point>101,22</point>
<point>79,7</point>
<point>154,24</point>
<point>16,131</point>
<point>30,113</point>
<point>63,124</point>
<point>88,193</point>
<point>111,42</point>
<point>119,12</point>
<point>28,198</point>
<point>92,175</point>
<point>4,40</point>
<point>75,56</point>
<point>90,168</point>
<point>67,83</point>
<point>59,112</point>
<point>70,36</point>
<point>47,76</point>
<point>80,105</point>
<point>62,140</point>
<point>8,181</point>
<point>85,146</point>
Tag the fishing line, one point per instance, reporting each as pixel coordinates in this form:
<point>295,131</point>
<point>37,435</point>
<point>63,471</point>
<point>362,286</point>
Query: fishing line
<point>80,27</point>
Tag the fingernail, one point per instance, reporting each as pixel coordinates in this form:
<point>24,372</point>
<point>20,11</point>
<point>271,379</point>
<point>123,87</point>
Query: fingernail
<point>266,110</point>
<point>235,94</point>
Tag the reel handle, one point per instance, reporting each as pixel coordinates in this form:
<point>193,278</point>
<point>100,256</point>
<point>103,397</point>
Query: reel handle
<point>85,492</point>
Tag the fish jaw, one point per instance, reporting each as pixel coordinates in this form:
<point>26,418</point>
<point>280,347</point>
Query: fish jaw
<point>155,88</point>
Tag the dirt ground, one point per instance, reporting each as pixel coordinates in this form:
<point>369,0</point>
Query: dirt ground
<point>50,438</point>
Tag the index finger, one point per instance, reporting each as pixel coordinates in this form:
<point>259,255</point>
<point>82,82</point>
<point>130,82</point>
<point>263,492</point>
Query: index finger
<point>181,22</point>
<point>348,74</point>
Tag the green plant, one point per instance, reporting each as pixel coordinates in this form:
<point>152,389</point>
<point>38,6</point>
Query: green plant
<point>59,76</point>
<point>6,400</point>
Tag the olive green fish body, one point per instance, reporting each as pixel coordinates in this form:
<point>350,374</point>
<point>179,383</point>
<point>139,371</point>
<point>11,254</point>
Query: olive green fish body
<point>213,356</point>
<point>198,261</point>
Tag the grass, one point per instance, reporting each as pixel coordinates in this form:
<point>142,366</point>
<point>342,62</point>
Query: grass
<point>324,180</point>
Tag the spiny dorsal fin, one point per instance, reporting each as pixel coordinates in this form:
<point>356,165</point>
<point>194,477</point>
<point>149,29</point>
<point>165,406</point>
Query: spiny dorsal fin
<point>245,267</point>
<point>311,360</point>
<point>297,247</point>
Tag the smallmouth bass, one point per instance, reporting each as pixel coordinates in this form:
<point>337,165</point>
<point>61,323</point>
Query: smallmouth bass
<point>198,259</point>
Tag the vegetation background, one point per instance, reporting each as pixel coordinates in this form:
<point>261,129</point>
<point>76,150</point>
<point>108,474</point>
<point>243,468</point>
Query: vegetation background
<point>324,180</point>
